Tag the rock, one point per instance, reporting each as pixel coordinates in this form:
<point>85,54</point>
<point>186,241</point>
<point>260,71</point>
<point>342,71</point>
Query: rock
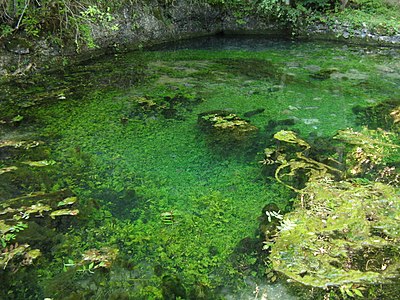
<point>323,74</point>
<point>18,46</point>
<point>343,234</point>
<point>226,129</point>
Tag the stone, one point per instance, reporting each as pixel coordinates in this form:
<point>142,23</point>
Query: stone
<point>226,128</point>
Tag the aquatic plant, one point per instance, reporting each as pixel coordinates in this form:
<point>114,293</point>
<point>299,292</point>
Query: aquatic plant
<point>342,234</point>
<point>384,115</point>
<point>150,187</point>
<point>225,129</point>
<point>93,259</point>
<point>345,233</point>
<point>18,213</point>
<point>368,151</point>
<point>292,162</point>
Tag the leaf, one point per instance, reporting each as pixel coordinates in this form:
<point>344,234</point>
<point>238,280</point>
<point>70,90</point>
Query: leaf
<point>102,264</point>
<point>341,290</point>
<point>358,292</point>
<point>64,212</point>
<point>348,292</point>
<point>7,169</point>
<point>67,201</point>
<point>41,163</point>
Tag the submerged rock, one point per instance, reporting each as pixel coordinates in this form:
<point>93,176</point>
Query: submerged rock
<point>226,129</point>
<point>343,234</point>
<point>170,107</point>
<point>323,74</point>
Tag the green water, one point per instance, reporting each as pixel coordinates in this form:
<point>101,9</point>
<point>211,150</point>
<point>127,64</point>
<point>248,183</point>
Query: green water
<point>182,211</point>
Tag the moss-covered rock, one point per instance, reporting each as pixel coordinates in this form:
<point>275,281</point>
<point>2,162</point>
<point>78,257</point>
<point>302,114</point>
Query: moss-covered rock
<point>224,128</point>
<point>341,233</point>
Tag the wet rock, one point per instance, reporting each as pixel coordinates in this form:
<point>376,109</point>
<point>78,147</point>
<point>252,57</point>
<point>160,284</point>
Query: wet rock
<point>342,31</point>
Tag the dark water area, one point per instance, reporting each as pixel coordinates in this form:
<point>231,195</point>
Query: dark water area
<point>228,42</point>
<point>113,185</point>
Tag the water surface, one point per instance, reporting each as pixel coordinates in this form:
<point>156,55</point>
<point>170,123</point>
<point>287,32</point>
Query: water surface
<point>182,212</point>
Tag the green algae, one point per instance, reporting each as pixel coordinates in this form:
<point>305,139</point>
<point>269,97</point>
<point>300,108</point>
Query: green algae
<point>156,190</point>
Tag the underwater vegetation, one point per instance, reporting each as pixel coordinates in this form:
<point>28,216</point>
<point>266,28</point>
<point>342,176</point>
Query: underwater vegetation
<point>342,236</point>
<point>199,174</point>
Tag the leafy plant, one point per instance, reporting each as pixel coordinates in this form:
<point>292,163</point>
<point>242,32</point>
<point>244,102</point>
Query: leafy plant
<point>7,232</point>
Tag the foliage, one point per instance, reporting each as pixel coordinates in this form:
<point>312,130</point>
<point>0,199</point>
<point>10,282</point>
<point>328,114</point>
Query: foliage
<point>93,259</point>
<point>63,21</point>
<point>60,20</point>
<point>377,15</point>
<point>384,115</point>
<point>15,216</point>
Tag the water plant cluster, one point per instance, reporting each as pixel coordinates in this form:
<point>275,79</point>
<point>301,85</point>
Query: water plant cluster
<point>109,171</point>
<point>342,234</point>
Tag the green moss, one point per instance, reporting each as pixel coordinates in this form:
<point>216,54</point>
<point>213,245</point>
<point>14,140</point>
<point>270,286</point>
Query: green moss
<point>342,234</point>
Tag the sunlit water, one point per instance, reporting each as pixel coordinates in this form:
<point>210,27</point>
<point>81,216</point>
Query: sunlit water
<point>182,212</point>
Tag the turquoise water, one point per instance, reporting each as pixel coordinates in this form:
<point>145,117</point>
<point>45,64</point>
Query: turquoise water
<point>180,209</point>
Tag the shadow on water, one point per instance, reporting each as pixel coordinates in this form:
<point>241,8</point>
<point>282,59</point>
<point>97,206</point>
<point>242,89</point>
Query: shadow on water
<point>228,42</point>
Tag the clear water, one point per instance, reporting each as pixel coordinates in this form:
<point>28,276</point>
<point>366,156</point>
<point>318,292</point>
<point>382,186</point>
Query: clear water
<point>182,212</point>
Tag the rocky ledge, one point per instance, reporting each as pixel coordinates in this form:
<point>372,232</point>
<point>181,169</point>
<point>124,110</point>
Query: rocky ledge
<point>346,32</point>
